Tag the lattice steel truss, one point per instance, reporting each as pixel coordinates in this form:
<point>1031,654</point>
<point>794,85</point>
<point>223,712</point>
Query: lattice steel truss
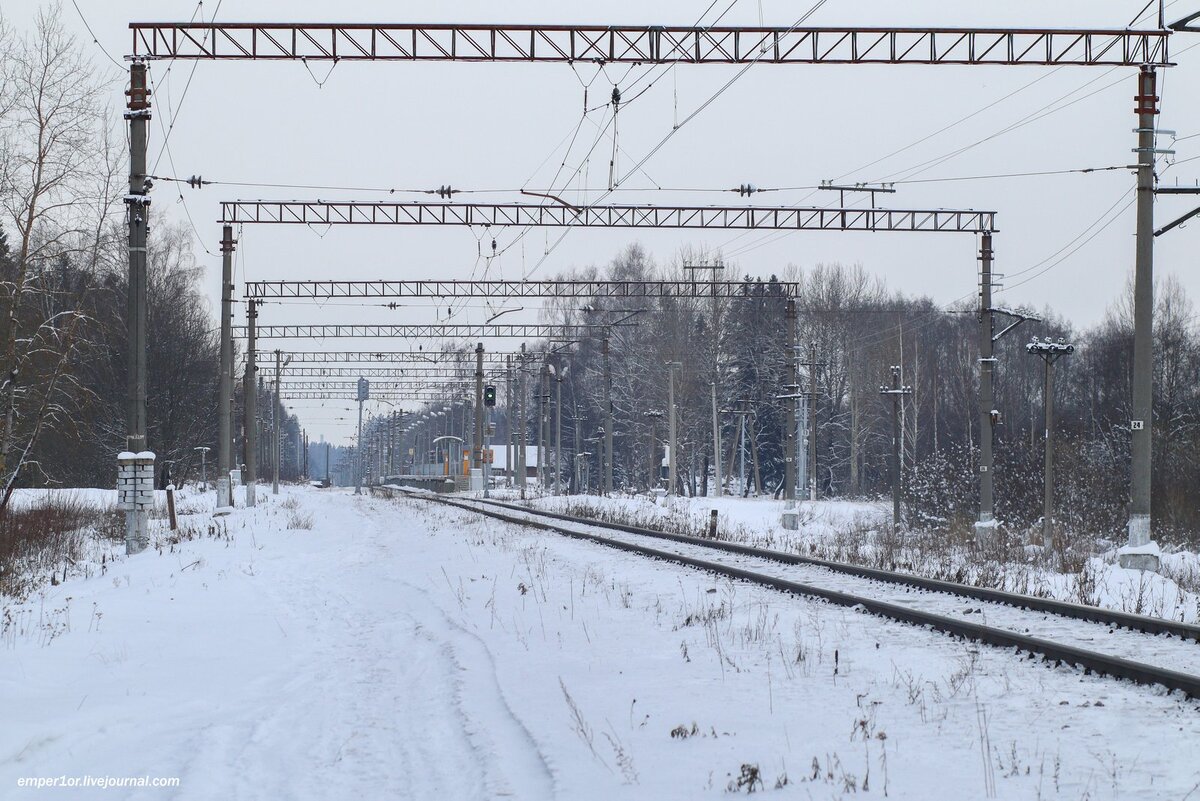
<point>513,289</point>
<point>647,44</point>
<point>432,359</point>
<point>337,396</point>
<point>532,331</point>
<point>487,215</point>
<point>383,373</point>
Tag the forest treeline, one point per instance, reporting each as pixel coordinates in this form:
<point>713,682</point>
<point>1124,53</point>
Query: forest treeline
<point>63,281</point>
<point>859,330</point>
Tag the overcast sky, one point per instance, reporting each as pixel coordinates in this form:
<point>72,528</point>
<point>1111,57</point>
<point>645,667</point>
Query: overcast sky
<point>496,126</point>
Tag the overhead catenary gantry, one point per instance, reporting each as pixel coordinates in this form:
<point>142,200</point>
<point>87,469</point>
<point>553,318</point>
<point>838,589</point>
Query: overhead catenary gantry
<point>438,290</point>
<point>647,44</point>
<point>434,331</point>
<point>491,215</point>
<point>384,386</point>
<point>338,396</point>
<point>658,44</point>
<point>383,373</point>
<point>416,357</point>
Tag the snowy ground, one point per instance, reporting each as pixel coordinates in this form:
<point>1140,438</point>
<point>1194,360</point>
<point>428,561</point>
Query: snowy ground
<point>399,650</point>
<point>861,525</point>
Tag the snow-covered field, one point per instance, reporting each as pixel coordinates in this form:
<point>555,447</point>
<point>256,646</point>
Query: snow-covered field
<point>856,531</point>
<point>326,646</point>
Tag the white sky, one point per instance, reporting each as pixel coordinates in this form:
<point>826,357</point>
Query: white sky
<point>478,126</point>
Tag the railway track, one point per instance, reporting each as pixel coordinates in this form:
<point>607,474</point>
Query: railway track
<point>1142,649</point>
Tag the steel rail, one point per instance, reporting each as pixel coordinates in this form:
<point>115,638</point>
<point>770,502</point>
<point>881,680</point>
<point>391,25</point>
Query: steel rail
<point>1052,651</point>
<point>1094,614</point>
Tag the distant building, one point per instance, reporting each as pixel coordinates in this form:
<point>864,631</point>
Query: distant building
<point>500,464</point>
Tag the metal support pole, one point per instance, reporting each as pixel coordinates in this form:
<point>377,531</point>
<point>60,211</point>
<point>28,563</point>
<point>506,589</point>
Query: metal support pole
<point>789,428</point>
<point>897,392</point>
<point>558,432</point>
<point>608,422</point>
<point>716,425</point>
<point>986,366</point>
<point>1048,499</point>
<point>477,451</point>
<point>674,443</point>
<point>543,425</point>
<point>1049,352</point>
<point>359,456</point>
<point>137,202</point>
<point>276,444</point>
<point>812,421</point>
<point>225,380</point>
<point>509,442</point>
<point>1141,552</point>
<point>742,421</point>
<point>250,401</point>
<point>521,423</point>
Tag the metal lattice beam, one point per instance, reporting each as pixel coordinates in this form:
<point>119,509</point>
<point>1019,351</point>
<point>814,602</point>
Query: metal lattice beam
<point>384,388</point>
<point>486,215</point>
<point>432,359</point>
<point>652,44</point>
<point>532,331</point>
<point>337,396</point>
<point>380,373</point>
<point>511,289</point>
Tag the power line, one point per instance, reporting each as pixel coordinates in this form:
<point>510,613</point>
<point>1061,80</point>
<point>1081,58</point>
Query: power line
<point>175,115</point>
<point>96,41</point>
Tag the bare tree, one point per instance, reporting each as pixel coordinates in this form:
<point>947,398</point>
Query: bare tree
<point>49,119</point>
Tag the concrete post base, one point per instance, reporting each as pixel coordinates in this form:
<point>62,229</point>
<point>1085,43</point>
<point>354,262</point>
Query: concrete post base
<point>1142,553</point>
<point>137,531</point>
<point>250,494</point>
<point>791,517</point>
<point>224,492</point>
<point>985,530</point>
<point>1139,561</point>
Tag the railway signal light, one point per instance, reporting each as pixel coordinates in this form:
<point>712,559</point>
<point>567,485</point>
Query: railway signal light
<point>489,396</point>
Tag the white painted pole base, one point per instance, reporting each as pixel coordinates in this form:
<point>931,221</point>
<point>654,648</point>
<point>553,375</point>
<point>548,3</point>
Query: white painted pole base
<point>224,493</point>
<point>985,530</point>
<point>1142,553</point>
<point>135,496</point>
<point>137,531</point>
<point>250,494</point>
<point>791,516</point>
